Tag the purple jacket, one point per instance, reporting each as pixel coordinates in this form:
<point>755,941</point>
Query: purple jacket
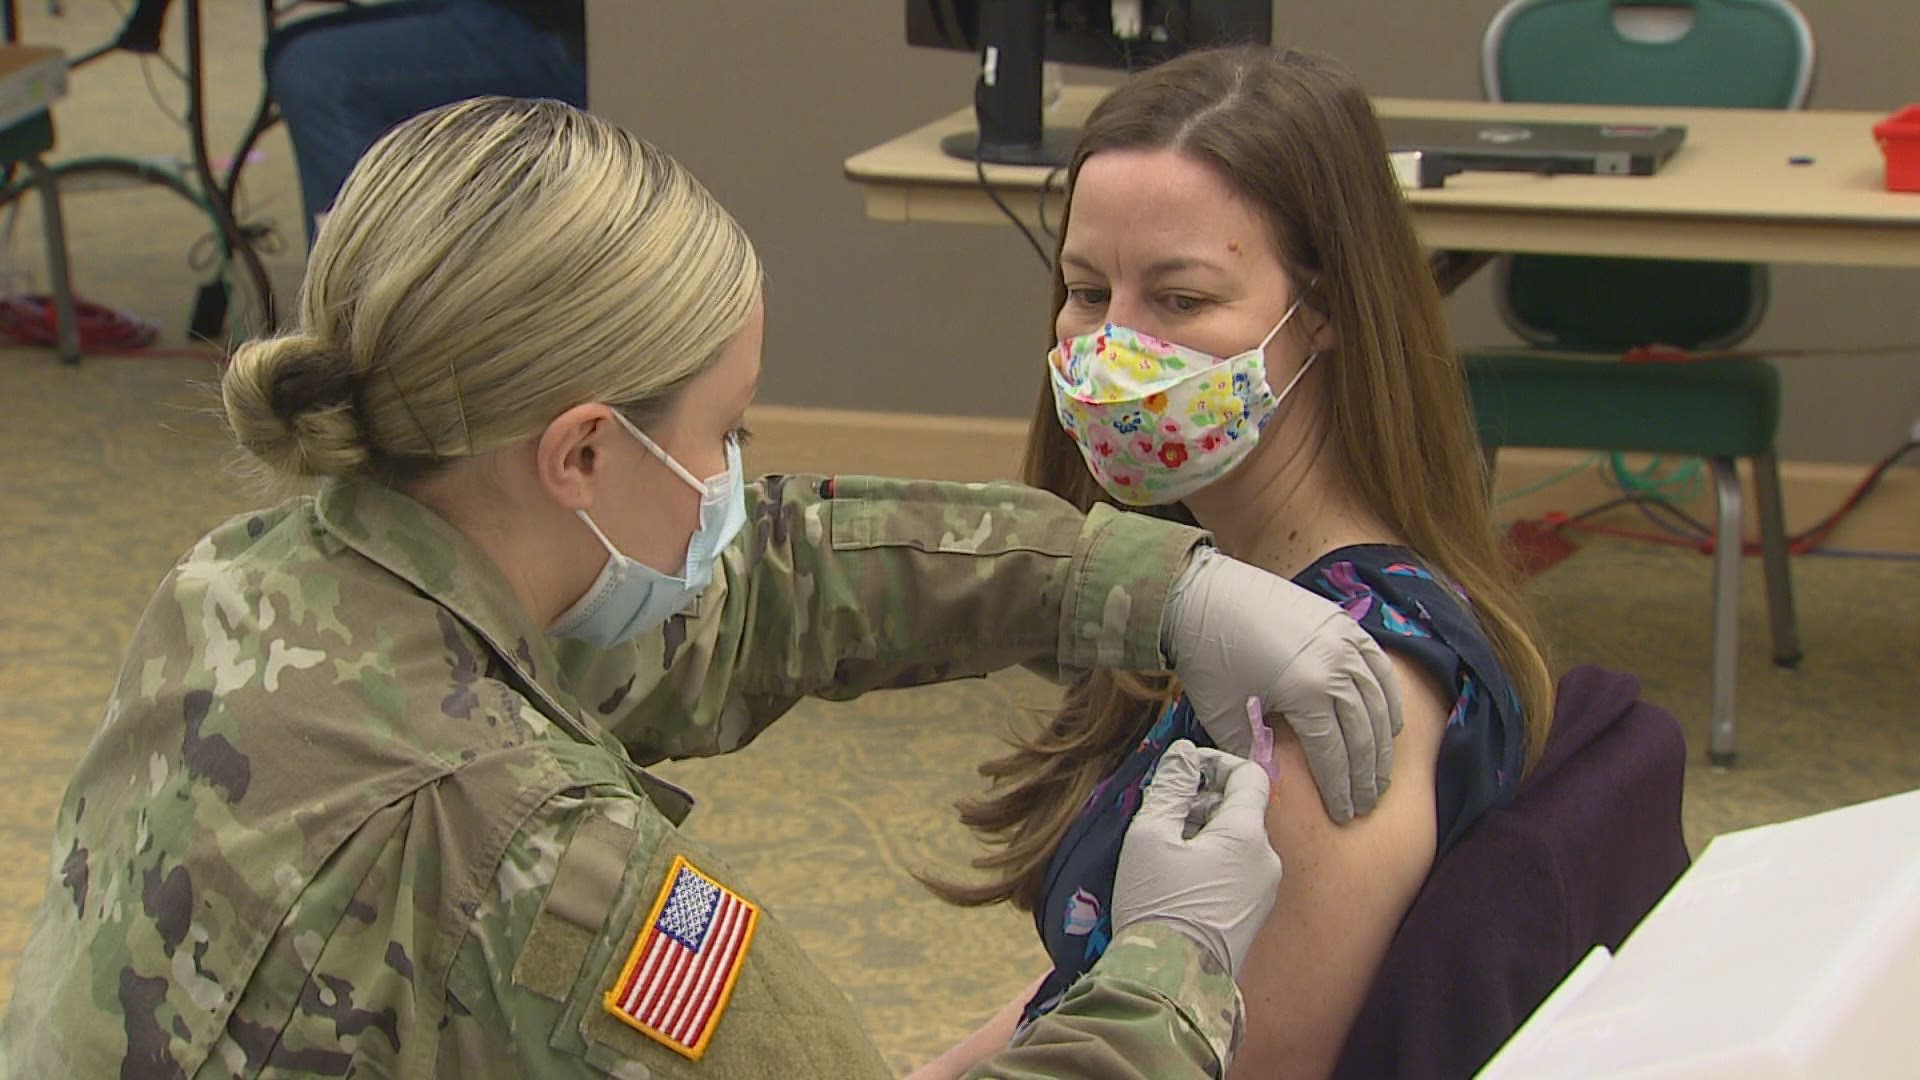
<point>1589,843</point>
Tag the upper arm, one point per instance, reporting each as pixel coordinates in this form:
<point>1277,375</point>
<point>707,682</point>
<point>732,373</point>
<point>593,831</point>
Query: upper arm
<point>574,903</point>
<point>1343,894</point>
<point>884,583</point>
<point>503,1019</point>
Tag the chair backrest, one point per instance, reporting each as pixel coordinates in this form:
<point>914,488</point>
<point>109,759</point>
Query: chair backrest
<point>1733,54</point>
<point>1588,845</point>
<point>1716,53</point>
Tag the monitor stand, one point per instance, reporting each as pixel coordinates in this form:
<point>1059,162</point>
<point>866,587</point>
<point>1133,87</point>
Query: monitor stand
<point>1054,150</point>
<point>1007,92</point>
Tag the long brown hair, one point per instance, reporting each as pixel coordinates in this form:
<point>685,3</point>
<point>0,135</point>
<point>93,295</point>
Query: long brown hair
<point>1296,136</point>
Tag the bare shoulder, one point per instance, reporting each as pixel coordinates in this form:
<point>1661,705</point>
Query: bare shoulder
<point>1345,890</point>
<point>1407,807</point>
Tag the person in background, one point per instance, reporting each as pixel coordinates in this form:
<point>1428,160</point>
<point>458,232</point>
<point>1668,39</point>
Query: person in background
<point>343,79</point>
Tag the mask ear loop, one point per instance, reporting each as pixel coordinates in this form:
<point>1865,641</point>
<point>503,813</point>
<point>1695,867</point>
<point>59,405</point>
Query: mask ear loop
<point>1297,376</point>
<point>1311,357</point>
<point>666,459</point>
<point>1291,308</point>
<point>602,537</point>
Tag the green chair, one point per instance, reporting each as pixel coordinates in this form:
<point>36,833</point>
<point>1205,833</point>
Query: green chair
<point>23,143</point>
<point>1719,53</point>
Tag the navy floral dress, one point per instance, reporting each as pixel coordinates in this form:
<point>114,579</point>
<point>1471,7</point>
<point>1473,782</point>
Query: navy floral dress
<point>1406,610</point>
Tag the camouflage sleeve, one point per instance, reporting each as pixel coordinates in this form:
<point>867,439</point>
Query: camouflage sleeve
<point>1153,1006</point>
<point>530,989</point>
<point>494,1028</point>
<point>843,586</point>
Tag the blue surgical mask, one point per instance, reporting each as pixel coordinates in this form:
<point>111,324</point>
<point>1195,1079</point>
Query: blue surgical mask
<point>629,597</point>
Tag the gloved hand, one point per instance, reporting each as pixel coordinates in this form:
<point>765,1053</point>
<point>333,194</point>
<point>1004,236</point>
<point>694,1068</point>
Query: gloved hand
<point>1215,885</point>
<point>1235,632</point>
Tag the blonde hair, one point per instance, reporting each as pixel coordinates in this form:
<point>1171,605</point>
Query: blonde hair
<point>488,265</point>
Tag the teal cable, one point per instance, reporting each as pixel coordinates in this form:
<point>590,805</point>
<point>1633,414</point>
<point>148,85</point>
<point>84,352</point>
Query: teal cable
<point>1542,485</point>
<point>1682,482</point>
<point>149,171</point>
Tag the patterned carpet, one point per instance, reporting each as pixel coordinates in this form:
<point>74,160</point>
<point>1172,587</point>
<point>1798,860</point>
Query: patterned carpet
<point>117,467</point>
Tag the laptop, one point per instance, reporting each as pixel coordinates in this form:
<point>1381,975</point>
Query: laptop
<point>1533,146</point>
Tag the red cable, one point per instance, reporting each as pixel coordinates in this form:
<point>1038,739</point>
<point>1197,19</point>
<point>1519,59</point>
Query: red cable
<point>1673,354</point>
<point>1814,537</point>
<point>1804,544</point>
<point>30,320</point>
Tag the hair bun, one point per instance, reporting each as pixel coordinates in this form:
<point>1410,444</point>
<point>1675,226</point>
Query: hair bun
<point>290,403</point>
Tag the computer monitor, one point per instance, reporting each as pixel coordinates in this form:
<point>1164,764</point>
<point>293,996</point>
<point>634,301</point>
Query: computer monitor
<point>1015,38</point>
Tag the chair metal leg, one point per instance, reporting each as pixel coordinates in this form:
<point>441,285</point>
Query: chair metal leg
<point>67,328</point>
<point>1773,553</point>
<point>1726,610</point>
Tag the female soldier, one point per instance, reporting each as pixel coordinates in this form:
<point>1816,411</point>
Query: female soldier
<point>353,809</point>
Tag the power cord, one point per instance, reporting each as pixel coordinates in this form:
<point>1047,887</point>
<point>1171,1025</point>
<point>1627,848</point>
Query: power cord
<point>207,252</point>
<point>1813,538</point>
<point>980,171</point>
<point>1681,529</point>
<point>1046,189</point>
<point>146,75</point>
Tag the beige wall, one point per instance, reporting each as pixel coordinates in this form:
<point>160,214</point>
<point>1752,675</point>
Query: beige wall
<point>764,100</point>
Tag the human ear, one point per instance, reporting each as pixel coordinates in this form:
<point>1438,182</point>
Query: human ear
<point>1324,338</point>
<point>570,454</point>
<point>1318,328</point>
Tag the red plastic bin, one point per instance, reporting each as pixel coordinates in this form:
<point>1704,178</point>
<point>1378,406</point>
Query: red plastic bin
<point>1899,138</point>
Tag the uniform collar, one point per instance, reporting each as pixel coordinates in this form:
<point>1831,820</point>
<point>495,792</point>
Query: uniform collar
<point>421,547</point>
<point>408,539</point>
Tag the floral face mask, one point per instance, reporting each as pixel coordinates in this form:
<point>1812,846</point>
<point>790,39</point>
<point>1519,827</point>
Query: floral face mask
<point>1158,421</point>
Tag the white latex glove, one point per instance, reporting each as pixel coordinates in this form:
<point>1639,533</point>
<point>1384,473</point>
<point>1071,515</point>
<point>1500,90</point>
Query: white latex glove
<point>1235,632</point>
<point>1215,885</point>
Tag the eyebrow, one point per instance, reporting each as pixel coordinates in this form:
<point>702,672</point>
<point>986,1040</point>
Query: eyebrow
<point>1171,264</point>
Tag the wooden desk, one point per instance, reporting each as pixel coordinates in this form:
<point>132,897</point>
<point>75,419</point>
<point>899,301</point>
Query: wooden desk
<point>1728,194</point>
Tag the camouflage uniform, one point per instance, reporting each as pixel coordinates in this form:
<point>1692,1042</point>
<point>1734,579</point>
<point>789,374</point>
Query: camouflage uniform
<point>351,813</point>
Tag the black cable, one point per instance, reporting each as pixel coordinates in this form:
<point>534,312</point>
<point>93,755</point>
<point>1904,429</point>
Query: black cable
<point>1690,527</point>
<point>146,75</point>
<point>980,170</point>
<point>91,55</point>
<point>262,234</point>
<point>117,43</point>
<point>167,62</point>
<point>1595,511</point>
<point>140,14</point>
<point>948,25</point>
<point>237,242</point>
<point>1046,189</point>
<point>1646,503</point>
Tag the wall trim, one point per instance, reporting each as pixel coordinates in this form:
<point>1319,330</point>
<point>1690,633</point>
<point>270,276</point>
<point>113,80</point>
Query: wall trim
<point>937,447</point>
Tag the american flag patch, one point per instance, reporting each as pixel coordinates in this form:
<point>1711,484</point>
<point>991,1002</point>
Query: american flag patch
<point>677,980</point>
